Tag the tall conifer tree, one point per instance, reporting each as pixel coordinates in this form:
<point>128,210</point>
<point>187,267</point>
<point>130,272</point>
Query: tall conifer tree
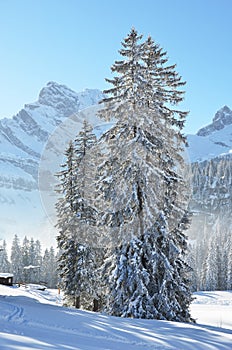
<point>144,192</point>
<point>76,216</point>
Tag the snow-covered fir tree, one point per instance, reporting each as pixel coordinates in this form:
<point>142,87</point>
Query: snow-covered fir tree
<point>46,268</point>
<point>229,264</point>
<point>144,193</point>
<point>49,268</point>
<point>65,207</point>
<point>35,260</point>
<point>4,262</point>
<point>25,259</point>
<point>76,223</point>
<point>30,260</point>
<point>212,267</point>
<point>16,260</point>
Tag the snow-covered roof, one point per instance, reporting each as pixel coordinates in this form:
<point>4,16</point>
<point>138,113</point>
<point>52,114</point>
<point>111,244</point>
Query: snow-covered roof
<point>5,275</point>
<point>31,267</point>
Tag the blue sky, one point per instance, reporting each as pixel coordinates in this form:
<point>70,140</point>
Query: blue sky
<point>74,42</point>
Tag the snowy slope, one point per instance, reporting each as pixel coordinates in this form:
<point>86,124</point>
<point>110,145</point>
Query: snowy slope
<point>214,139</point>
<point>213,309</point>
<point>32,319</point>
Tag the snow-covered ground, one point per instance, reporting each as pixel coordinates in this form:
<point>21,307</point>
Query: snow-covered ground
<point>32,319</point>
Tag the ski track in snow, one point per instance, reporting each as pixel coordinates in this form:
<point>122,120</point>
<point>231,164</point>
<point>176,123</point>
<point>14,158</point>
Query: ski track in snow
<point>16,315</point>
<point>32,319</point>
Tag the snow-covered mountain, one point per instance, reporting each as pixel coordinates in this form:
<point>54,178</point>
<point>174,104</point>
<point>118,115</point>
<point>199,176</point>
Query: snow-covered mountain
<point>214,139</point>
<point>23,137</point>
<point>22,142</point>
<point>211,155</point>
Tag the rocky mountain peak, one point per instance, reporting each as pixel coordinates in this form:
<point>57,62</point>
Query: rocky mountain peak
<point>65,99</point>
<point>224,115</point>
<point>54,93</point>
<point>59,97</point>
<point>222,118</point>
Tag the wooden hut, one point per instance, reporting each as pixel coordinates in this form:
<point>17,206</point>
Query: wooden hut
<point>6,279</point>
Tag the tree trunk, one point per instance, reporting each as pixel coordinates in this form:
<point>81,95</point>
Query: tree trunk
<point>96,305</point>
<point>77,302</point>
